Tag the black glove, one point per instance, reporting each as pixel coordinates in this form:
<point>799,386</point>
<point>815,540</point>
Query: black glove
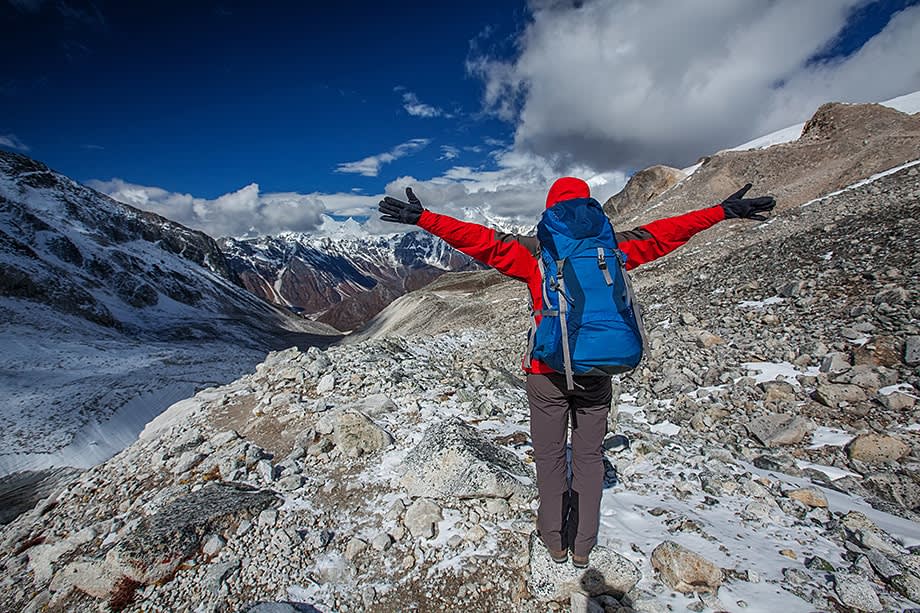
<point>399,211</point>
<point>737,205</point>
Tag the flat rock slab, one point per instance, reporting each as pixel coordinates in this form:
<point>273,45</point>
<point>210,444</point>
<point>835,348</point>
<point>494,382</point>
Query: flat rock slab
<point>684,570</point>
<point>162,541</point>
<point>778,429</point>
<point>607,573</point>
<point>454,460</point>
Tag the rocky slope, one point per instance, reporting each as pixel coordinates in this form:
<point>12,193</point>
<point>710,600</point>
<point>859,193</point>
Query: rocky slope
<point>773,464</point>
<point>342,279</point>
<point>840,144</point>
<point>109,315</point>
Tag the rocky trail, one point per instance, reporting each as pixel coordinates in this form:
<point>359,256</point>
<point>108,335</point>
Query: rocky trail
<point>774,431</point>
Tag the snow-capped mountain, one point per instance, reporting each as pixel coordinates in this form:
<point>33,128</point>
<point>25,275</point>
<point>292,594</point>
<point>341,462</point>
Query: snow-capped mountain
<point>109,310</point>
<point>355,272</point>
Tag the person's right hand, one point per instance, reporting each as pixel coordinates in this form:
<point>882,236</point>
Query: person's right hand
<point>401,212</point>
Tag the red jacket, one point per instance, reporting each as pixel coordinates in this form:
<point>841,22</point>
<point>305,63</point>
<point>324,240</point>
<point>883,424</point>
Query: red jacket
<point>515,255</point>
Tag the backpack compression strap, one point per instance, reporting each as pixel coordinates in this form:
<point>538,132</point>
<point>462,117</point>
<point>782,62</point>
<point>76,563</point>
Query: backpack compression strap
<point>563,305</point>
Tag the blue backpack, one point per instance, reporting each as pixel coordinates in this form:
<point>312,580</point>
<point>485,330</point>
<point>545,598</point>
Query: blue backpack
<point>590,324</point>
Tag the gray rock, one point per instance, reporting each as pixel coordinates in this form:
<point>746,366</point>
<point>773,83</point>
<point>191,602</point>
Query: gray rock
<point>161,542</point>
<point>356,431</point>
<point>907,584</point>
<point>608,572</point>
<point>354,548</point>
<point>290,483</point>
<point>326,384</point>
<point>422,517</point>
<point>912,350</point>
<point>218,573</point>
<point>187,461</point>
<point>375,405</point>
<point>382,542</point>
<point>93,577</point>
<point>896,401</point>
<point>835,362</point>
<point>899,487</point>
<point>685,570</point>
<point>857,592</point>
<point>777,429</point>
<point>222,438</point>
<point>832,394</point>
<point>268,517</point>
<point>885,568</point>
<point>791,289</point>
<point>265,470</point>
<point>213,545</point>
<point>454,460</point>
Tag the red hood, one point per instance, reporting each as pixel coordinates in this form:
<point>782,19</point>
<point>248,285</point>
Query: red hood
<point>567,188</point>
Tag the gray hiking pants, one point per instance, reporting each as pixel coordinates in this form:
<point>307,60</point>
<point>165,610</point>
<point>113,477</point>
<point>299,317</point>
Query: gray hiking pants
<point>568,517</point>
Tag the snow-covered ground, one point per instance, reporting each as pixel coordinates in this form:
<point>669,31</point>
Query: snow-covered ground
<point>118,385</point>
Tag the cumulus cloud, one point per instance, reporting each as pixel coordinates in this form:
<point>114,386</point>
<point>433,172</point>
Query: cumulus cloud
<point>629,84</point>
<point>245,211</point>
<point>370,166</point>
<point>12,142</point>
<point>515,190</point>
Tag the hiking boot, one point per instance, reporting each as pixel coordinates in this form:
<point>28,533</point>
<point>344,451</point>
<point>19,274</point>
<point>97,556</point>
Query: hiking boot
<point>579,561</point>
<point>559,557</point>
<point>615,443</point>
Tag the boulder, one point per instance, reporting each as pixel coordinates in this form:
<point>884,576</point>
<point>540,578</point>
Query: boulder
<point>775,429</point>
<point>454,460</point>
<point>422,517</point>
<point>856,591</point>
<point>607,573</point>
<point>809,496</point>
<point>832,394</point>
<point>162,541</point>
<point>354,430</point>
<point>876,448</point>
<point>684,570</point>
<point>93,577</point>
<point>374,405</point>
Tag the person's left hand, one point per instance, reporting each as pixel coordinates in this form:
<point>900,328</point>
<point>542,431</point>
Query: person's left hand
<point>737,206</point>
<point>399,211</point>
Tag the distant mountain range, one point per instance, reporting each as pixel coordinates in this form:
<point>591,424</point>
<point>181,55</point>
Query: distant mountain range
<point>343,278</point>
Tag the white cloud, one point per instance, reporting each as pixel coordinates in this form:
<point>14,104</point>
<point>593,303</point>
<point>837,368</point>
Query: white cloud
<point>449,152</point>
<point>515,190</point>
<point>628,84</point>
<point>13,142</point>
<point>417,108</point>
<point>370,166</point>
<point>245,211</point>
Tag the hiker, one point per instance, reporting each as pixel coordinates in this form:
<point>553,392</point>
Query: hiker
<point>568,515</point>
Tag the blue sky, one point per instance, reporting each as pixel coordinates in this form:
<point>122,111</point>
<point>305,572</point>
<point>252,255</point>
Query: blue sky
<point>239,117</point>
<point>208,98</point>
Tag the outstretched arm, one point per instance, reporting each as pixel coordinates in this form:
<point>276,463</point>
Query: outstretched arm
<point>661,237</point>
<point>653,240</point>
<point>502,252</point>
